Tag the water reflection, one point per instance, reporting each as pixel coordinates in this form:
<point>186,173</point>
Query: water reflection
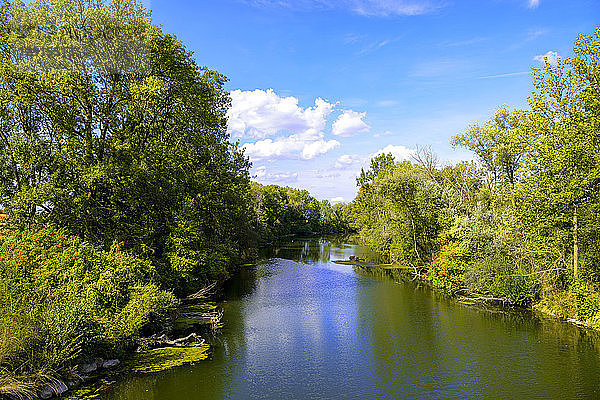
<point>299,326</point>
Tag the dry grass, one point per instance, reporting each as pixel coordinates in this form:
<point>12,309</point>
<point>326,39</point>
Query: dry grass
<point>17,389</point>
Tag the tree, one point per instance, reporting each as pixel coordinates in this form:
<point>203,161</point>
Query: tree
<point>110,129</point>
<point>500,144</point>
<point>380,164</point>
<point>563,172</point>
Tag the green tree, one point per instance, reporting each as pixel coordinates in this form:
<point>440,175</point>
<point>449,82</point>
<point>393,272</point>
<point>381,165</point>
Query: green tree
<point>563,171</point>
<point>110,129</point>
<point>500,144</point>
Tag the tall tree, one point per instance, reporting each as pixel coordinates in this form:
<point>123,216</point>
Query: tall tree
<point>110,129</point>
<point>564,167</point>
<point>500,144</point>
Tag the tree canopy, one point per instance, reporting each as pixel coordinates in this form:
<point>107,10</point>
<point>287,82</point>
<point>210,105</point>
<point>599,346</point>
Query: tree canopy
<point>110,129</point>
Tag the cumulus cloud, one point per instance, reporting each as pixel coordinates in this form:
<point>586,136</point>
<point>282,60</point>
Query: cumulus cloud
<point>350,123</point>
<point>262,114</point>
<point>347,160</point>
<point>533,3</point>
<point>259,114</point>
<point>288,147</point>
<point>551,56</point>
<point>401,153</point>
<point>311,150</point>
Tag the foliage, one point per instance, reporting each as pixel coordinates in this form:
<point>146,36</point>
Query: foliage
<point>61,299</point>
<point>522,221</point>
<point>587,300</point>
<point>110,130</point>
<point>281,211</point>
<point>447,268</point>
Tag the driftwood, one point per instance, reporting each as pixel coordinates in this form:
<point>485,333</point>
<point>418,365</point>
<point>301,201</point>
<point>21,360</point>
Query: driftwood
<point>202,293</point>
<point>486,299</point>
<point>214,316</point>
<point>160,341</point>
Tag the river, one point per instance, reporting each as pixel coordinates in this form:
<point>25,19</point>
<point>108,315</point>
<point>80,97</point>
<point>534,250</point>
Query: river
<point>298,326</point>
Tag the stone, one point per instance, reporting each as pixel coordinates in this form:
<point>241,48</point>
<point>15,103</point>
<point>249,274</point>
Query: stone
<point>111,363</point>
<point>87,368</point>
<point>46,393</point>
<point>58,388</point>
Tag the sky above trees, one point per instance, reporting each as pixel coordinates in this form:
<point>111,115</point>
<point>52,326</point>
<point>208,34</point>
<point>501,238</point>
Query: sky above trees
<point>320,86</point>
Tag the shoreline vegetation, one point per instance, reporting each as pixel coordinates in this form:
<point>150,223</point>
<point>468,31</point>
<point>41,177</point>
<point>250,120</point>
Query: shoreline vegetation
<point>125,201</point>
<point>522,223</point>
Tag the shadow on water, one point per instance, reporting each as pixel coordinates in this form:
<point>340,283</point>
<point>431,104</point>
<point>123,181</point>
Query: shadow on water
<point>298,326</point>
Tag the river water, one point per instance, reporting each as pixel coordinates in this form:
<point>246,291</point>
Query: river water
<point>298,326</point>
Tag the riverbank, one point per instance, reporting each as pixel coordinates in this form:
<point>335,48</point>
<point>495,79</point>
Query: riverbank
<point>559,305</point>
<point>187,342</point>
<point>299,326</point>
<point>69,310</point>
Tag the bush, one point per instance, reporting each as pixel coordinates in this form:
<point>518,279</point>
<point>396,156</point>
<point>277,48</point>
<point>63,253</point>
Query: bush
<point>587,299</point>
<point>497,273</point>
<point>446,271</point>
<point>520,290</point>
<point>62,300</point>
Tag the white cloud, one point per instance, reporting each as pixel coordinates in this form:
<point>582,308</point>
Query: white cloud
<point>387,103</point>
<point>401,153</point>
<point>265,149</point>
<point>386,133</point>
<point>507,75</point>
<point>288,147</point>
<point>338,199</point>
<point>373,47</point>
<point>350,123</point>
<point>259,114</point>
<point>533,3</point>
<point>311,150</point>
<point>261,171</point>
<point>551,56</point>
<point>265,177</point>
<point>283,177</point>
<point>347,160</point>
<point>393,7</point>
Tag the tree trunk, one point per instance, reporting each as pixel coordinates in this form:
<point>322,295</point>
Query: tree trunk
<point>575,245</point>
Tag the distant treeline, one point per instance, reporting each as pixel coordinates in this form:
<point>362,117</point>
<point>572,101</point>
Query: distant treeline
<point>281,211</point>
<point>523,222</point>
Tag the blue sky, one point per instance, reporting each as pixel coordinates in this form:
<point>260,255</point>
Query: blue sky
<point>320,86</point>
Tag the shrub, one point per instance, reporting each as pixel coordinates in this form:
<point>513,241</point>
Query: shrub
<point>587,299</point>
<point>517,289</point>
<point>446,271</point>
<point>61,299</point>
